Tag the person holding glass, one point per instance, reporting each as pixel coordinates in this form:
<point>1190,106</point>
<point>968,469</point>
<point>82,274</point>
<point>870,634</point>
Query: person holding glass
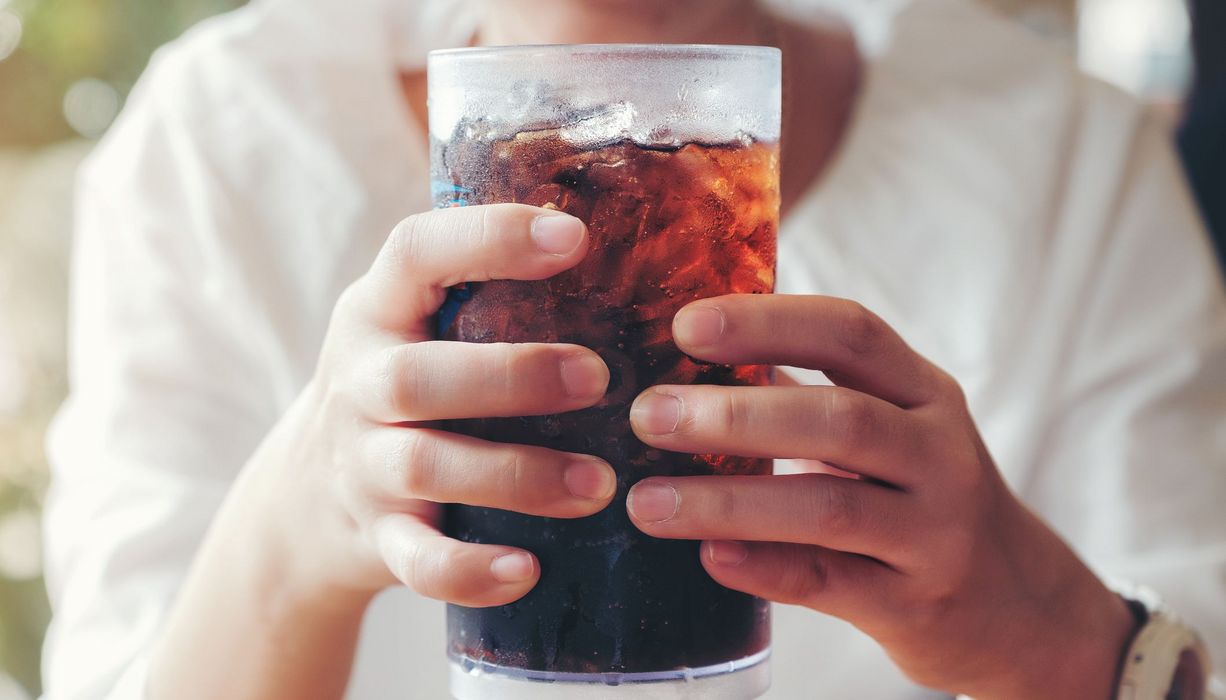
<point>1027,387</point>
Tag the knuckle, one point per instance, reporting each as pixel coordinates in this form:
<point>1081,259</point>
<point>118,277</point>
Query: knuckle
<point>925,439</point>
<point>419,464</point>
<point>498,220</point>
<point>837,509</point>
<point>724,506</point>
<point>849,418</point>
<point>354,457</point>
<point>420,570</point>
<point>959,566</point>
<point>403,244</point>
<point>507,214</point>
<point>861,330</point>
<point>514,474</point>
<point>346,336</point>
<point>950,390</point>
<point>969,470</point>
<point>492,218</point>
<point>337,389</point>
<point>733,413</point>
<point>496,217</point>
<point>404,564</point>
<point>404,381</point>
<point>945,579</point>
<point>425,569</point>
<point>934,606</point>
<point>348,302</point>
<point>440,571</point>
<point>397,461</point>
<point>802,580</point>
<point>516,366</point>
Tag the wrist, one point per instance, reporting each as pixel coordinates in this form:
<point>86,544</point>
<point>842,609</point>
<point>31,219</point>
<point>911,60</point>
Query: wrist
<point>1089,663</point>
<point>1073,661</point>
<point>1069,637</point>
<point>255,617</point>
<point>303,548</point>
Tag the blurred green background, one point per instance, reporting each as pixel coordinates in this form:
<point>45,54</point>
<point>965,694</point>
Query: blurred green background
<point>65,68</point>
<point>62,49</point>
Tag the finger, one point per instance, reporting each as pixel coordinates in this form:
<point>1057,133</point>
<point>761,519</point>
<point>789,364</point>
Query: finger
<point>844,585</point>
<point>854,347</point>
<point>442,467</point>
<point>439,567</point>
<point>817,509</point>
<point>784,378</point>
<point>437,380</point>
<point>847,428</point>
<point>429,252</point>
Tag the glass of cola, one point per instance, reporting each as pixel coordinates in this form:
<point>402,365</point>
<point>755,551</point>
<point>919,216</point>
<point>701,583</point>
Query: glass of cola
<point>670,155</point>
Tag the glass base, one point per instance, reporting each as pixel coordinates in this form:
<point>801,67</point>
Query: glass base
<point>743,679</point>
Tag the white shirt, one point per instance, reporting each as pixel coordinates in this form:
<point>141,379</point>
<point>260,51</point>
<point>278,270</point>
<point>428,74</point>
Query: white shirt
<point>1022,226</point>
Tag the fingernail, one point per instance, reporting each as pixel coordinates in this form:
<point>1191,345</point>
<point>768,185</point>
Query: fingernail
<point>699,325</point>
<point>656,413</point>
<point>590,478</point>
<point>653,502</point>
<point>513,568</point>
<point>726,553</point>
<point>557,234</point>
<point>584,376</point>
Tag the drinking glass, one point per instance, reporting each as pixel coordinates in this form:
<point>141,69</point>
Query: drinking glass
<point>670,155</point>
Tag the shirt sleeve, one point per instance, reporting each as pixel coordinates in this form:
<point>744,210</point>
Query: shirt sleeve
<point>167,397</point>
<point>1133,469</point>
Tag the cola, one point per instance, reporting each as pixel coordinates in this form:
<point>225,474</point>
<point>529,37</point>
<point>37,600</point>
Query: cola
<point>668,224</point>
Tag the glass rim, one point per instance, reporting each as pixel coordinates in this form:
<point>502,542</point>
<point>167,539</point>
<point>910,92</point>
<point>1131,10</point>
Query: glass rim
<point>619,50</point>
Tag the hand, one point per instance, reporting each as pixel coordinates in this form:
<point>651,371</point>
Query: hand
<point>924,548</point>
<point>356,468</point>
<point>340,500</point>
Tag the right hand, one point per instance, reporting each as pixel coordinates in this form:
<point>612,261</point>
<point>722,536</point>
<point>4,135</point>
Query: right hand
<point>356,468</point>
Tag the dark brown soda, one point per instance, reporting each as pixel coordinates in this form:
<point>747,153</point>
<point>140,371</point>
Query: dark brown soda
<point>668,225</point>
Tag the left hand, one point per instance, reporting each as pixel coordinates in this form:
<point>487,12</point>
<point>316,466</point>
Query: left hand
<point>924,548</point>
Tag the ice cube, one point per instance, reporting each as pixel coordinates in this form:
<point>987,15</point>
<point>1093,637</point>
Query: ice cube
<point>605,125</point>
